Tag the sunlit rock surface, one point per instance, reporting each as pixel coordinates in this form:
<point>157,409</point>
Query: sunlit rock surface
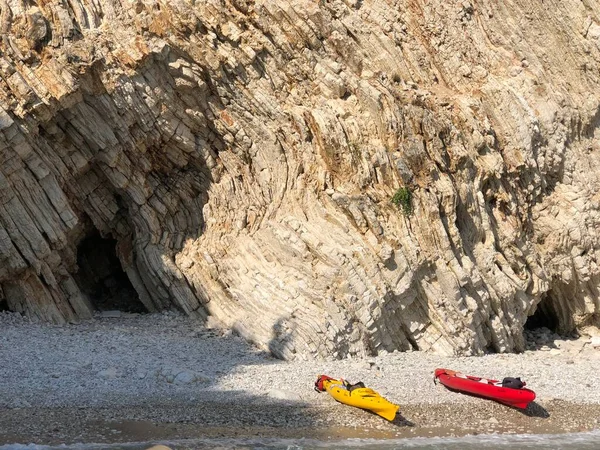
<point>241,156</point>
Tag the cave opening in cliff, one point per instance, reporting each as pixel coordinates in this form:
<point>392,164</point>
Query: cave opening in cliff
<point>544,316</point>
<point>101,276</point>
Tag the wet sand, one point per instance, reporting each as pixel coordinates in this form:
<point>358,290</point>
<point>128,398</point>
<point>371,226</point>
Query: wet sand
<point>54,426</point>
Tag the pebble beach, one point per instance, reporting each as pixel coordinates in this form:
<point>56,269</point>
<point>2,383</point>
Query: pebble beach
<point>154,377</point>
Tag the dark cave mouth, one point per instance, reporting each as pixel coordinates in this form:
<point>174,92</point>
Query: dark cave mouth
<point>102,278</point>
<point>543,317</point>
<point>545,321</point>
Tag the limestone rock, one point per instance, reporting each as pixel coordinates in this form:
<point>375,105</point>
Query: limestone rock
<point>238,160</point>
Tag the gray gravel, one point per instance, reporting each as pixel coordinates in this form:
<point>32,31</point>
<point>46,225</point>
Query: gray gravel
<point>164,376</point>
<point>137,359</point>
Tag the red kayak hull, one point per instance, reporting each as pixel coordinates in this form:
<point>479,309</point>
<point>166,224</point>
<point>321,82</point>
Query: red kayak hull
<point>482,387</point>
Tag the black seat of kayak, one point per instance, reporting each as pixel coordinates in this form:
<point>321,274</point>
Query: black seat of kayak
<point>351,387</point>
<point>358,385</point>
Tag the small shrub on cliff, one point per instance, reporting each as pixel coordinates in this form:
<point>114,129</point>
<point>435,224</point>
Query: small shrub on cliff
<point>403,199</point>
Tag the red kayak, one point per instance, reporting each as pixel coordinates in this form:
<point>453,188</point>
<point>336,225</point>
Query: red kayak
<point>500,391</point>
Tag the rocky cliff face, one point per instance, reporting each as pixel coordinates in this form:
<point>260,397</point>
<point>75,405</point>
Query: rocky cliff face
<point>237,160</point>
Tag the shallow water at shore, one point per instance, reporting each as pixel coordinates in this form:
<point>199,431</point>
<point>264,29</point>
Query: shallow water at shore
<point>566,441</point>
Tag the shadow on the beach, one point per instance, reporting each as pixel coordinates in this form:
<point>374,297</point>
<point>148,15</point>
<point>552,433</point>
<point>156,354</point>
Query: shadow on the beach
<point>534,410</point>
<point>401,421</point>
<point>539,339</point>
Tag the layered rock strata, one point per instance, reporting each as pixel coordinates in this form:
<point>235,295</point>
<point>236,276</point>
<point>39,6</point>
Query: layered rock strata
<point>243,156</point>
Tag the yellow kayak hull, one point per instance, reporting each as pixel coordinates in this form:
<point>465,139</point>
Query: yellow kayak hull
<point>364,398</point>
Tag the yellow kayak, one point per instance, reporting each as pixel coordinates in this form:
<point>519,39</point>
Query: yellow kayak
<point>357,395</point>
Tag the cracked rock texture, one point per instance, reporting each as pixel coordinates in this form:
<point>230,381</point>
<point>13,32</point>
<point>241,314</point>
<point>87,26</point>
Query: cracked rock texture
<point>243,156</point>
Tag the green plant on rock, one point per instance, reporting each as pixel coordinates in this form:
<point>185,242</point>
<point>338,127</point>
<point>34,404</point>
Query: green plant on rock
<point>403,199</point>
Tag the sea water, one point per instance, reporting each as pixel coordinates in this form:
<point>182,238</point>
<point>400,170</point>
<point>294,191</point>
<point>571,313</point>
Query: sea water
<point>571,441</point>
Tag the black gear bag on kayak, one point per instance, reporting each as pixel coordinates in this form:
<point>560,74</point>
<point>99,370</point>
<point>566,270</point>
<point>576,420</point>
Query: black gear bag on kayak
<point>514,383</point>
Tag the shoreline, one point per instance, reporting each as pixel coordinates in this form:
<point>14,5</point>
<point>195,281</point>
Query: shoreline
<point>160,423</point>
<point>166,377</point>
